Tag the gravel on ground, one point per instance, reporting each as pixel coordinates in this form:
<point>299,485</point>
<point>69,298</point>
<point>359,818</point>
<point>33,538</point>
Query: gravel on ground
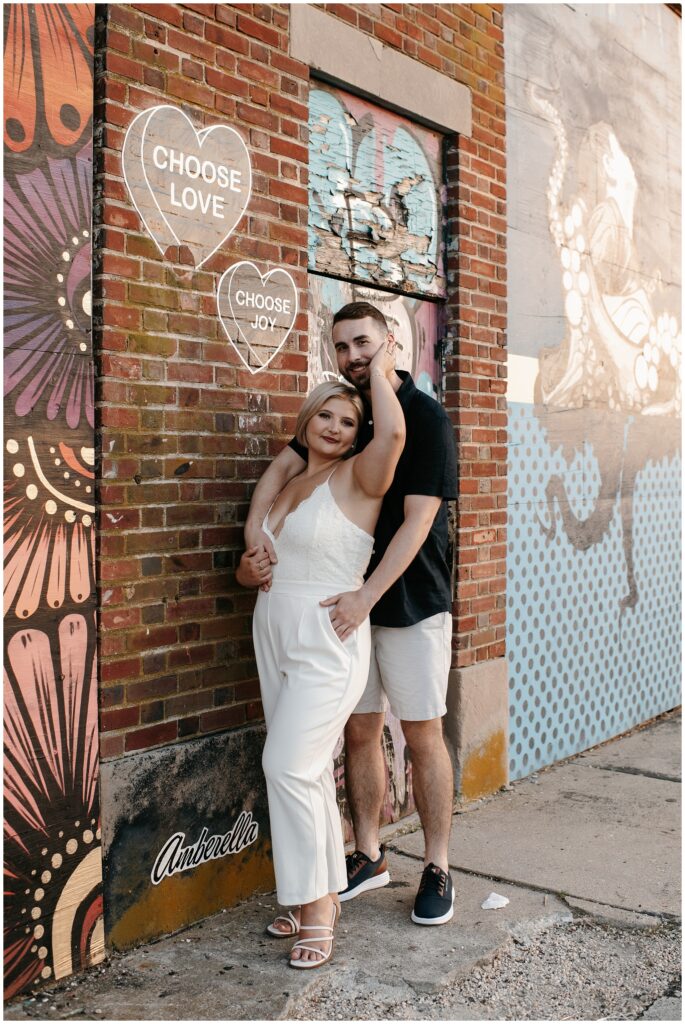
<point>577,971</point>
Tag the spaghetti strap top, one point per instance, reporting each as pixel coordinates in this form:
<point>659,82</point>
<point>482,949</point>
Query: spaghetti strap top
<point>317,543</point>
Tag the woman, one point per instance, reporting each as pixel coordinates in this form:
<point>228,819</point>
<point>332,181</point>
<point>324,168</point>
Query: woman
<point>322,526</point>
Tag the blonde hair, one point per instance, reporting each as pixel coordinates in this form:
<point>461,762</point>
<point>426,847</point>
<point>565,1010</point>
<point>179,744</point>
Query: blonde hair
<point>317,398</point>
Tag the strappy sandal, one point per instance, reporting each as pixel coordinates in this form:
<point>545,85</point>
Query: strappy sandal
<point>309,965</point>
<point>290,920</point>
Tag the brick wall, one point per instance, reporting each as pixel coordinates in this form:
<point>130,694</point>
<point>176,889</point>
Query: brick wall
<point>184,431</point>
<point>476,368</point>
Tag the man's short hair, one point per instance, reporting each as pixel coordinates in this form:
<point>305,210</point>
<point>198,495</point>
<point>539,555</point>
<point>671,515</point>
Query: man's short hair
<point>359,310</point>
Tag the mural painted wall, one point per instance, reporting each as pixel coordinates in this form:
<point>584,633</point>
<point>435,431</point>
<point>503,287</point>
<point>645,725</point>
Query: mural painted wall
<point>375,234</point>
<point>593,565</point>
<point>53,875</point>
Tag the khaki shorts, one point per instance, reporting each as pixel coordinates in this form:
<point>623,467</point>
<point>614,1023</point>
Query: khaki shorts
<point>409,669</point>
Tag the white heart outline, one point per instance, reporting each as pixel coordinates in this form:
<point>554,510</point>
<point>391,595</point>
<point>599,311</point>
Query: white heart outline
<point>201,136</point>
<point>226,276</point>
<point>143,114</point>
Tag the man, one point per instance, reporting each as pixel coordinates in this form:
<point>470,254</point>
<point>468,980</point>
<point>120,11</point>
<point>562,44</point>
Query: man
<point>407,593</point>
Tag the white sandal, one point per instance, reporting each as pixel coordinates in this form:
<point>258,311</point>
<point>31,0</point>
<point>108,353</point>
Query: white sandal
<point>309,965</point>
<point>289,919</point>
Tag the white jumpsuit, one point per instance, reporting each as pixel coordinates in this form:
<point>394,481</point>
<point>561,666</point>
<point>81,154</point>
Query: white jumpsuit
<point>311,682</point>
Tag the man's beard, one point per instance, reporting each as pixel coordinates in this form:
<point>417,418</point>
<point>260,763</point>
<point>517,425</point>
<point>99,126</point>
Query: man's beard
<point>359,377</point>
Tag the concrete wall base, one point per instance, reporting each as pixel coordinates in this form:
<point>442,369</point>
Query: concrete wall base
<point>199,789</point>
<point>477,727</point>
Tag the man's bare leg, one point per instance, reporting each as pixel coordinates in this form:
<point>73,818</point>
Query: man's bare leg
<point>433,783</point>
<point>365,778</point>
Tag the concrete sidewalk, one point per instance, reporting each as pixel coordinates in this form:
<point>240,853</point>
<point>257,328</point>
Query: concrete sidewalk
<point>594,841</point>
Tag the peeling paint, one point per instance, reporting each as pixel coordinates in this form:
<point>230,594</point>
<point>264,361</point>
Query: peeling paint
<point>375,195</point>
<point>485,768</point>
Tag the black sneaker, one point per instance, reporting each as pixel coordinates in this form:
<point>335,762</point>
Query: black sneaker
<point>364,874</point>
<point>434,903</point>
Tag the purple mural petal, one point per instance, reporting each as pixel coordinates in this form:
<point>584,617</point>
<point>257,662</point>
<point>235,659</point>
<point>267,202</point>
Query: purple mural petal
<point>43,202</point>
<point>65,186</point>
<point>47,274</point>
<point>33,391</point>
<point>55,403</point>
<point>74,402</point>
<point>20,334</point>
<point>15,365</point>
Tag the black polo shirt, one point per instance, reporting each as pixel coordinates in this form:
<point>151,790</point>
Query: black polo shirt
<point>427,465</point>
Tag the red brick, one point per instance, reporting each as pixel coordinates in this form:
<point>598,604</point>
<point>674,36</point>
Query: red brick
<point>290,149</point>
<point>124,66</point>
<point>258,30</point>
<point>227,38</point>
<point>147,689</point>
<point>151,736</point>
<point>226,83</point>
<point>118,719</point>
<point>111,746</point>
<point>222,718</point>
<point>190,92</point>
<point>170,13</point>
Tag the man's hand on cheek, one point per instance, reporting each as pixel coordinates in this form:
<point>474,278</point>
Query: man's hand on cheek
<point>348,611</point>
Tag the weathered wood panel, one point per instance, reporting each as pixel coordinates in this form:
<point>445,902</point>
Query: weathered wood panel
<point>53,873</point>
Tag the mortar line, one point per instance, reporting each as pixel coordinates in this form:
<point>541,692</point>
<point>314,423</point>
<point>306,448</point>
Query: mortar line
<point>562,894</point>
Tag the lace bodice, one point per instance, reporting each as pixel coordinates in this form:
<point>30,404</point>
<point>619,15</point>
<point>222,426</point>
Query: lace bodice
<point>319,544</point>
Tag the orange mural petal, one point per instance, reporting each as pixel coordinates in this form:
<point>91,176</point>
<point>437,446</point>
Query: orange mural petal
<point>69,456</point>
<point>20,757</point>
<point>67,78</point>
<point>58,569</point>
<point>73,644</point>
<point>83,17</point>
<point>92,746</point>
<point>11,539</point>
<point>79,577</point>
<point>19,81</point>
<point>29,599</point>
<point>30,658</point>
<point>14,570</point>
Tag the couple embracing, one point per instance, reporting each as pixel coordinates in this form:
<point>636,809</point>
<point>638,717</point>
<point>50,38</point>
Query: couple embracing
<point>347,541</point>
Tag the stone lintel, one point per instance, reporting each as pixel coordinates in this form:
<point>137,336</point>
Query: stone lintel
<point>350,59</point>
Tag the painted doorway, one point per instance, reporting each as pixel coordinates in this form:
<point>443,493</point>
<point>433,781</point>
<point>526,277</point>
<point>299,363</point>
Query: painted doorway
<point>376,203</point>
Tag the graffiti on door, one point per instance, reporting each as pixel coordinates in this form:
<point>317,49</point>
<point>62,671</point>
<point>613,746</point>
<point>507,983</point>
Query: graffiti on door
<point>375,195</point>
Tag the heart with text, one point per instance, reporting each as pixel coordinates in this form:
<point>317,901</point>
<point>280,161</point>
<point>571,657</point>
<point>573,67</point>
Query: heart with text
<point>257,311</point>
<point>189,187</point>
